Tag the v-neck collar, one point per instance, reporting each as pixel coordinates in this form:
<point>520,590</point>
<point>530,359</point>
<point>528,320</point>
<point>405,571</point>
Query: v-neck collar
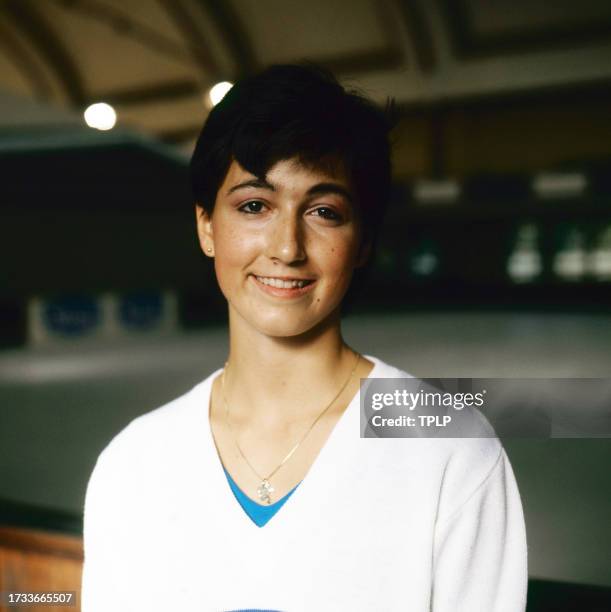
<point>347,424</point>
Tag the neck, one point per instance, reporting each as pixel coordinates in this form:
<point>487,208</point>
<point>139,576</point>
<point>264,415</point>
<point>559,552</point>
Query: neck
<point>273,380</point>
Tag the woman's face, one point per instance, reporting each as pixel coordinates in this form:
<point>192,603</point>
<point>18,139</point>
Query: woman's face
<point>297,223</point>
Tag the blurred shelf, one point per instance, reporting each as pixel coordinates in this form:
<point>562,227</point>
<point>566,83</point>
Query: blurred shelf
<point>19,514</point>
<point>466,296</point>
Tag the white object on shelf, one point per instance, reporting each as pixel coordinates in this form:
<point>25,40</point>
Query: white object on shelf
<point>424,261</point>
<point>524,263</point>
<point>570,261</point>
<point>599,259</point>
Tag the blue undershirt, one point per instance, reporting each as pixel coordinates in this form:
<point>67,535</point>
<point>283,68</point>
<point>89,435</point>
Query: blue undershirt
<point>259,514</point>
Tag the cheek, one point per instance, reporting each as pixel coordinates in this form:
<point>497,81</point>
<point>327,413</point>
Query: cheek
<point>340,259</point>
<point>233,251</point>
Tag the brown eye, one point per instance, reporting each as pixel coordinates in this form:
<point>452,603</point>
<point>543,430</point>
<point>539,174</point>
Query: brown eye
<point>327,213</point>
<point>250,211</point>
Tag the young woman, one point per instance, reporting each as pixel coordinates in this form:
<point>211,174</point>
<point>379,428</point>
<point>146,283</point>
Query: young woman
<point>254,490</point>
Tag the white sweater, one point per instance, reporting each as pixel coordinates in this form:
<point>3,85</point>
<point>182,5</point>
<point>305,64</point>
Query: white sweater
<point>411,525</point>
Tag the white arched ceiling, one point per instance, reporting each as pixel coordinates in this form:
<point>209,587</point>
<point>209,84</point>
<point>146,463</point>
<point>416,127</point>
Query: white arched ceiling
<point>155,59</point>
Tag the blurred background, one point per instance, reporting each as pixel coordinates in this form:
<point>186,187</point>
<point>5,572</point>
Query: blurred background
<point>495,260</point>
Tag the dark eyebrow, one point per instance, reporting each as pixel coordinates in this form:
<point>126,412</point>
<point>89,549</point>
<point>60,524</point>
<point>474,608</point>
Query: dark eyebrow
<point>319,189</point>
<point>256,182</point>
<point>323,188</point>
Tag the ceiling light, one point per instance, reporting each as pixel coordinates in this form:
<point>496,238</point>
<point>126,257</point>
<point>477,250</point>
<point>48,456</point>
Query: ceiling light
<point>217,92</point>
<point>100,116</point>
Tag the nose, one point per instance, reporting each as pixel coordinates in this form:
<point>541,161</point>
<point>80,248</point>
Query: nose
<point>285,239</point>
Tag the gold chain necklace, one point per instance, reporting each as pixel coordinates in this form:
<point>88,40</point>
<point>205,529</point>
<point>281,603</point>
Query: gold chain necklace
<point>265,489</point>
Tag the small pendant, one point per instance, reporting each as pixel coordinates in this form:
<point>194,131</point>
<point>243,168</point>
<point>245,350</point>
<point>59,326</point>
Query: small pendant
<point>264,490</point>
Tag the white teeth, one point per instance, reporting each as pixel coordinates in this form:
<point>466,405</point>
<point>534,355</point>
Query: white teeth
<point>281,284</point>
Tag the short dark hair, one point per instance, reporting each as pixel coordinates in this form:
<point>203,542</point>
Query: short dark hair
<point>298,111</point>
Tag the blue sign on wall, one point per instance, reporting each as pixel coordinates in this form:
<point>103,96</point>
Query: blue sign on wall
<point>142,310</point>
<point>72,315</point>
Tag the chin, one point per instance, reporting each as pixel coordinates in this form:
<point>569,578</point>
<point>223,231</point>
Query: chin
<point>283,326</point>
<point>285,329</point>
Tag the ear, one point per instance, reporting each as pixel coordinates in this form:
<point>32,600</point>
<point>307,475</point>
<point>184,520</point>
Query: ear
<point>204,230</point>
<point>363,253</point>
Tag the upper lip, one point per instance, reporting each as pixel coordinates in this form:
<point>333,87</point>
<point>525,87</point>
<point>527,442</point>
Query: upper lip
<point>285,278</point>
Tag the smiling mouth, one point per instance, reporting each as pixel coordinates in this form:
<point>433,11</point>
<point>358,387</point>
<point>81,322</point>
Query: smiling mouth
<point>279,283</point>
